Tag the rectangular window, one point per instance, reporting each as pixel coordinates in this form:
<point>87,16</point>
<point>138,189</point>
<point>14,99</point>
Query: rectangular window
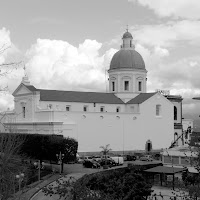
<point>139,86</point>
<point>102,108</point>
<point>85,108</point>
<point>24,112</point>
<point>67,108</point>
<point>118,109</point>
<point>167,159</point>
<point>185,161</point>
<point>175,160</point>
<point>158,110</point>
<point>113,86</point>
<point>126,85</point>
<point>132,109</point>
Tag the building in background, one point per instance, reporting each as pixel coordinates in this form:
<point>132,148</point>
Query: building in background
<point>125,117</point>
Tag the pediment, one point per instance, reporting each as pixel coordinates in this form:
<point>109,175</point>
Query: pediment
<point>21,90</point>
<point>140,78</point>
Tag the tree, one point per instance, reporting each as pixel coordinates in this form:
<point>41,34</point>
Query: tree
<point>6,68</point>
<point>105,151</point>
<point>10,163</point>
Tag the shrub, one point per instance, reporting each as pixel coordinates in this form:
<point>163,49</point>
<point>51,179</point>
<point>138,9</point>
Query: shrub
<point>113,184</point>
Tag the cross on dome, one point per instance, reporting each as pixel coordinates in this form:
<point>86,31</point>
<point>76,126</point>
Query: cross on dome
<point>127,28</point>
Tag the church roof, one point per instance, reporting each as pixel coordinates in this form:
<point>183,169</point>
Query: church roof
<point>75,96</point>
<point>141,98</point>
<point>31,88</point>
<point>86,97</point>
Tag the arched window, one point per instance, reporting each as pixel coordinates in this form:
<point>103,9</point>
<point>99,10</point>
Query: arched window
<point>126,85</point>
<point>113,86</point>
<point>175,113</point>
<point>175,136</point>
<point>140,86</point>
<point>158,110</point>
<point>24,111</point>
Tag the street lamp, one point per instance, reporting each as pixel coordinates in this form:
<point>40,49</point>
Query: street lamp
<point>20,177</point>
<point>39,166</point>
<point>60,157</point>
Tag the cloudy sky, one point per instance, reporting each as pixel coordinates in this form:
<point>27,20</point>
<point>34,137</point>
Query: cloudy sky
<point>68,44</point>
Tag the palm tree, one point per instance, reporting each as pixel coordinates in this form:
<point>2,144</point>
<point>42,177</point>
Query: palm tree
<point>105,151</point>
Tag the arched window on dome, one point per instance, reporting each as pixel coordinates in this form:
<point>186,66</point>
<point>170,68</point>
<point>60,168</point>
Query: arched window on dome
<point>126,85</point>
<point>175,113</point>
<point>113,86</point>
<point>140,86</point>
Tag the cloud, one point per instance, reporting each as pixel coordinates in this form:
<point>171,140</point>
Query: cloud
<point>168,34</point>
<point>9,53</point>
<point>187,9</point>
<point>56,64</point>
<point>5,43</point>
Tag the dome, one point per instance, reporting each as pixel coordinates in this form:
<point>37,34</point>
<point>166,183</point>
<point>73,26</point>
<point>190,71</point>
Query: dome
<point>127,58</point>
<point>127,35</point>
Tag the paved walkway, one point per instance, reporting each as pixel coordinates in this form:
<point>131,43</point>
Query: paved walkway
<point>28,192</point>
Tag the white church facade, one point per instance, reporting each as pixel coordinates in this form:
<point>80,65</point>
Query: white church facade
<point>125,117</point>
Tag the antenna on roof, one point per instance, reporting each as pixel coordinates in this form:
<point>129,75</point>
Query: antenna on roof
<point>105,79</point>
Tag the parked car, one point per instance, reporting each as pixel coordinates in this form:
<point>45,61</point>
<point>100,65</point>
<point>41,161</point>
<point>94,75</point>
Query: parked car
<point>110,162</point>
<point>80,160</point>
<point>131,158</point>
<point>91,164</point>
<point>146,158</point>
<point>97,158</point>
<point>87,157</point>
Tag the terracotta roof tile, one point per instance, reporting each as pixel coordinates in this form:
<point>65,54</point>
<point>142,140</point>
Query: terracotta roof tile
<point>31,88</point>
<point>75,96</point>
<point>141,98</point>
<point>86,97</point>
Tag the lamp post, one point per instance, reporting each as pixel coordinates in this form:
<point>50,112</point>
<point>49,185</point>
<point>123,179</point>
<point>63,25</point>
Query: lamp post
<point>20,177</point>
<point>60,157</point>
<point>39,166</point>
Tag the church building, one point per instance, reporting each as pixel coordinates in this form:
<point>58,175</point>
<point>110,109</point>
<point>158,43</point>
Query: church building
<point>125,117</point>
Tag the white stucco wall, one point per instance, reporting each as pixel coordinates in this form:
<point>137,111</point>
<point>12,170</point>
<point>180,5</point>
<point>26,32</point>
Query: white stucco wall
<point>123,131</point>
